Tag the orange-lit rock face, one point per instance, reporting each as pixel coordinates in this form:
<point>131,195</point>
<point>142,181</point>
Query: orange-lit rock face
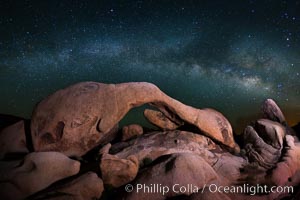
<point>79,117</point>
<point>70,120</point>
<point>131,131</point>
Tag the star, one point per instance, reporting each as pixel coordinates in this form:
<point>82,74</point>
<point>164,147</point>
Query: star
<point>207,54</point>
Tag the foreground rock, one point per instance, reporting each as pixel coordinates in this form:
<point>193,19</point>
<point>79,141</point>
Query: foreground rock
<point>287,171</point>
<point>13,139</point>
<point>229,168</point>
<point>19,179</point>
<point>285,174</point>
<point>264,143</point>
<point>117,172</point>
<point>82,116</point>
<point>207,195</point>
<point>86,187</point>
<point>178,174</point>
<point>151,146</point>
<point>86,115</point>
<point>122,167</point>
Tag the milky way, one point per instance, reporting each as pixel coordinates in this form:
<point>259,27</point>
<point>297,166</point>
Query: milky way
<point>229,56</point>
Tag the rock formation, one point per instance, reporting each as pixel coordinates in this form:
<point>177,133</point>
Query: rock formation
<point>151,146</point>
<point>158,119</point>
<point>187,170</point>
<point>82,116</point>
<point>117,172</point>
<point>86,187</point>
<point>272,111</point>
<point>19,179</point>
<point>78,154</point>
<point>13,140</point>
<point>131,131</point>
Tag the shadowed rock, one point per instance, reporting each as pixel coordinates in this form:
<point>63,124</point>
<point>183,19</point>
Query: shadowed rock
<point>259,151</point>
<point>13,140</point>
<point>86,187</point>
<point>207,195</point>
<point>19,179</point>
<point>264,142</point>
<point>82,116</point>
<point>296,128</point>
<point>273,133</point>
<point>7,120</point>
<point>158,119</point>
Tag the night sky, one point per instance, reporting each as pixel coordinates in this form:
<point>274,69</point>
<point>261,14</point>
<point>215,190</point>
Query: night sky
<point>228,55</point>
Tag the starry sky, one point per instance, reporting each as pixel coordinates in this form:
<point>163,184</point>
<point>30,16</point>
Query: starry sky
<point>228,55</point>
